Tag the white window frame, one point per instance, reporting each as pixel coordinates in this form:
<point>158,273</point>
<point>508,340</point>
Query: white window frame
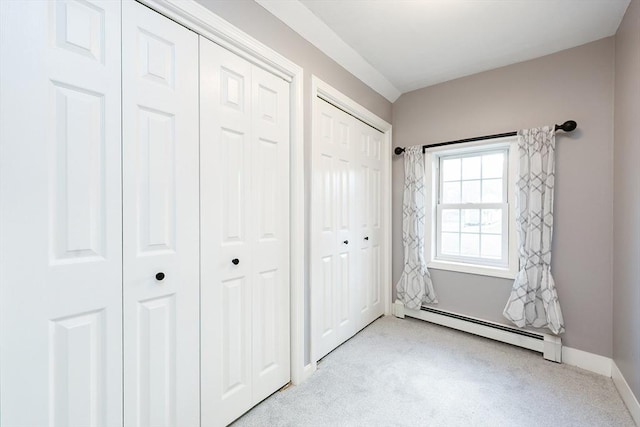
<point>508,266</point>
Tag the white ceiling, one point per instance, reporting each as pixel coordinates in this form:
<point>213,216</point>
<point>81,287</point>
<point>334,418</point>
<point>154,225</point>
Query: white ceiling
<point>396,46</point>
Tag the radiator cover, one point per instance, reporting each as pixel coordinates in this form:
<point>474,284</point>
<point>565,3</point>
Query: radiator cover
<point>549,345</point>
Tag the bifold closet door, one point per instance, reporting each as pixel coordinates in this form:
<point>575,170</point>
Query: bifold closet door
<point>244,167</point>
<point>160,220</point>
<point>60,198</point>
<point>346,227</point>
<point>334,231</point>
<point>370,234</point>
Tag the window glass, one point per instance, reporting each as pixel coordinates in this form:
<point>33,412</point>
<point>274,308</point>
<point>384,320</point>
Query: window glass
<point>472,205</point>
<point>492,165</point>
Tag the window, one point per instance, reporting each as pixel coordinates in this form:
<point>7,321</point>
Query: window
<point>472,209</point>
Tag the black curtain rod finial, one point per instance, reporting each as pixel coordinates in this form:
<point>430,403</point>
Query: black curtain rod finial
<point>568,126</point>
<point>398,150</point>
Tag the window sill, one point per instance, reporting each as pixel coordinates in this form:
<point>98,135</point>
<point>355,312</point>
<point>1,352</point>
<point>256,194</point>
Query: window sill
<point>482,270</point>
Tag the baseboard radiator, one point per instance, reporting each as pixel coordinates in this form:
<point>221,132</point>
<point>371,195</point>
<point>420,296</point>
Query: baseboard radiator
<point>549,345</point>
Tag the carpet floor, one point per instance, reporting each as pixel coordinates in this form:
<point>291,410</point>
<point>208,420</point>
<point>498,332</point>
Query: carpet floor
<point>406,372</point>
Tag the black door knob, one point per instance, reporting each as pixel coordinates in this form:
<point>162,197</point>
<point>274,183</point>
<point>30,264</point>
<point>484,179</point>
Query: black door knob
<point>159,276</point>
<point>346,242</point>
<point>366,238</point>
<point>235,261</point>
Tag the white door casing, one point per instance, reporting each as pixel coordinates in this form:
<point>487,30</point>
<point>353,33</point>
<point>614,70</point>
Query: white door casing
<point>244,234</point>
<point>60,216</point>
<point>160,220</point>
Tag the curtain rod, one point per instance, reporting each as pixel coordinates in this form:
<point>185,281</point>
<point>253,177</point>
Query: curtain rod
<point>568,126</point>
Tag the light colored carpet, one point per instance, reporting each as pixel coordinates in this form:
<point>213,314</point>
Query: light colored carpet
<point>406,372</point>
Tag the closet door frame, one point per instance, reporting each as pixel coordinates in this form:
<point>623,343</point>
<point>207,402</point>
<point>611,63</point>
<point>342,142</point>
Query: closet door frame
<point>202,21</point>
<point>323,91</point>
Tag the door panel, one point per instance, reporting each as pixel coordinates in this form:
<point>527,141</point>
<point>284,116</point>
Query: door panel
<point>78,369</point>
<point>269,176</point>
<point>156,179</point>
<point>160,212</point>
<point>60,214</point>
<point>234,340</point>
<point>323,234</point>
<point>334,215</point>
<point>325,301</point>
<point>370,224</point>
<point>233,186</point>
<point>78,209</point>
<point>226,227</point>
<point>157,357</point>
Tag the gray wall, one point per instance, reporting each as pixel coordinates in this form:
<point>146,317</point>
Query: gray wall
<point>626,200</point>
<point>254,20</point>
<point>573,84</point>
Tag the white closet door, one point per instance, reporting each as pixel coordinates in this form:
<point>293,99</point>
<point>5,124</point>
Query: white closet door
<point>269,212</point>
<point>60,198</point>
<point>347,205</point>
<point>370,236</point>
<point>225,228</point>
<point>334,269</point>
<point>244,234</point>
<point>160,220</point>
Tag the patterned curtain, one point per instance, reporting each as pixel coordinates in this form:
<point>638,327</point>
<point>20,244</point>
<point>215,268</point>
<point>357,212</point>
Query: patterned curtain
<point>415,285</point>
<point>533,300</point>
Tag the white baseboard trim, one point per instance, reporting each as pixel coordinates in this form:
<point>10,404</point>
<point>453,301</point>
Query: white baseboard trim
<point>398,309</point>
<point>626,393</point>
<point>587,361</point>
<point>307,371</point>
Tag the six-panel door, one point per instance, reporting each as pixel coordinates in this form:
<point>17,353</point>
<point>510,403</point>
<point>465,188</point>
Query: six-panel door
<point>333,228</point>
<point>61,247</point>
<point>370,165</point>
<point>346,223</point>
<point>160,220</point>
<point>244,234</point>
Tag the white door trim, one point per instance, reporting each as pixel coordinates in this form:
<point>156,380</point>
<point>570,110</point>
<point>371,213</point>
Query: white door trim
<point>332,95</point>
<point>327,92</point>
<point>204,22</point>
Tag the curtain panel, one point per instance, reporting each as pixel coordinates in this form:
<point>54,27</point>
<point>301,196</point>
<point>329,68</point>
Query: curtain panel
<point>415,286</point>
<point>534,300</point>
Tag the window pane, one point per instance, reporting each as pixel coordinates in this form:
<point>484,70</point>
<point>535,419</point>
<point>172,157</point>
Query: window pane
<point>470,220</point>
<point>451,243</point>
<point>492,221</point>
<point>451,170</point>
<point>470,245</point>
<point>451,220</point>
<point>451,192</point>
<point>492,191</point>
<point>491,246</point>
<point>493,165</point>
<point>471,167</point>
<point>471,191</point>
